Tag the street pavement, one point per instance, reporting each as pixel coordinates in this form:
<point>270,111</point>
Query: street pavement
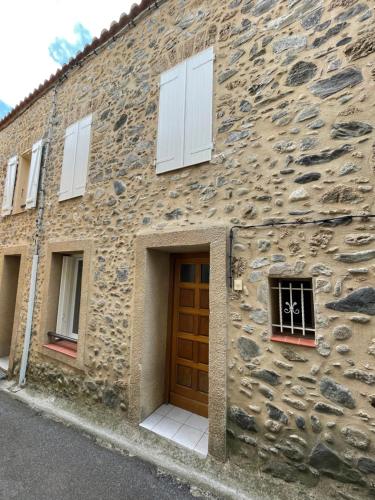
<point>45,460</point>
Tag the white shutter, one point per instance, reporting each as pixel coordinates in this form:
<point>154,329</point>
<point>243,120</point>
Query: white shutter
<point>65,297</point>
<point>33,182</point>
<point>67,172</point>
<point>82,156</point>
<point>170,144</point>
<point>9,186</point>
<point>199,108</point>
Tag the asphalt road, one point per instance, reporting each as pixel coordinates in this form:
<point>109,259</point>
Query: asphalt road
<point>44,460</point>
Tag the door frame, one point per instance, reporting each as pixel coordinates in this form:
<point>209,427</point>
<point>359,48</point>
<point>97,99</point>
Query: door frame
<point>149,322</point>
<point>172,267</point>
<point>21,251</point>
<point>171,299</point>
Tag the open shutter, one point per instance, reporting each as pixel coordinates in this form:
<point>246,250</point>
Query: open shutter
<point>9,186</point>
<point>199,108</point>
<point>67,172</point>
<point>65,297</point>
<point>170,144</point>
<point>82,156</point>
<point>33,182</point>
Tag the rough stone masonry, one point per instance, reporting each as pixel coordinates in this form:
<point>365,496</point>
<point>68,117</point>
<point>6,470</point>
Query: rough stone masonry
<point>294,103</point>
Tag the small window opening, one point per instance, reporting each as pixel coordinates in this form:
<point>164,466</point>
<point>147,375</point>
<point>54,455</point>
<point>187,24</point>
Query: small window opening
<point>292,308</point>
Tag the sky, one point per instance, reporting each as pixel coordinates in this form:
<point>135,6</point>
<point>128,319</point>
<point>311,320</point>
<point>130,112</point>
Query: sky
<point>37,37</point>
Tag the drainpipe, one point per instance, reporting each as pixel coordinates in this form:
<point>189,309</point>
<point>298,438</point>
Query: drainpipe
<point>37,239</point>
<point>29,321</point>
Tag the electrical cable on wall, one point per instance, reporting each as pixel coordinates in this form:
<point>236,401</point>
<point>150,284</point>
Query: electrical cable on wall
<point>344,219</point>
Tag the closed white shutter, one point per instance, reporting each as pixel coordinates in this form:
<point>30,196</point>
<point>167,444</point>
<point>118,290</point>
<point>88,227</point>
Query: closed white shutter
<point>199,108</point>
<point>170,144</point>
<point>76,157</point>
<point>67,172</point>
<point>82,156</point>
<point>9,185</point>
<point>33,182</point>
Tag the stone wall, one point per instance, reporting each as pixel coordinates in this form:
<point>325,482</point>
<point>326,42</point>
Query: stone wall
<point>293,106</point>
<point>17,138</point>
<point>20,229</point>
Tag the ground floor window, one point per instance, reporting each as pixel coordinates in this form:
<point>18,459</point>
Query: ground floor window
<point>292,305</point>
<point>67,287</point>
<point>70,296</point>
<point>64,311</point>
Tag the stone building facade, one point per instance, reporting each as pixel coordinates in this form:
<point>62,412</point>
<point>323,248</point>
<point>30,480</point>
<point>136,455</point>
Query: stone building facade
<point>293,144</point>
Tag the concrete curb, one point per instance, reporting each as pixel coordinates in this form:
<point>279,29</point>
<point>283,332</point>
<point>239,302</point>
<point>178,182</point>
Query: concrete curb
<point>107,437</point>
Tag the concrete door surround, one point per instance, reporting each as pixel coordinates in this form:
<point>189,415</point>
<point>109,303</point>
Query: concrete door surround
<point>21,251</point>
<point>150,323</point>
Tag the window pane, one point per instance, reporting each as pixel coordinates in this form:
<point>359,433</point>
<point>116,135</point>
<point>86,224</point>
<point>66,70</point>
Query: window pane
<point>187,273</point>
<point>77,302</point>
<point>205,273</point>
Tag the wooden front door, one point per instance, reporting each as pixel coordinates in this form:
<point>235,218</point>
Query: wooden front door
<point>189,339</point>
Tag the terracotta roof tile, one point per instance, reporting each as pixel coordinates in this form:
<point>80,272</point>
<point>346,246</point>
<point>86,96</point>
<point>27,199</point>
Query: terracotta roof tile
<point>95,43</point>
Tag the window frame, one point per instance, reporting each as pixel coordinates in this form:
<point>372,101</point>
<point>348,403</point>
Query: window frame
<point>74,355</point>
<point>303,333</point>
<point>17,180</point>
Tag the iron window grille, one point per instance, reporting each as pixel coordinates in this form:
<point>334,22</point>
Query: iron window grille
<point>292,306</point>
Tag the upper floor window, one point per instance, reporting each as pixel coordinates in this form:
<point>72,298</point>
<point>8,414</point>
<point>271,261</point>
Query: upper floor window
<point>75,161</point>
<point>22,181</point>
<point>185,113</point>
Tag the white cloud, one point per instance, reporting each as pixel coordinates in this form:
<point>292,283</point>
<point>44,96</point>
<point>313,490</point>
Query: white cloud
<point>62,50</point>
<point>27,30</point>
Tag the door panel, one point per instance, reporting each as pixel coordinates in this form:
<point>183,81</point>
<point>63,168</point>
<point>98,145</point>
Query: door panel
<point>187,297</point>
<point>184,376</point>
<point>203,382</point>
<point>203,299</point>
<point>186,322</point>
<point>203,325</point>
<point>185,349</point>
<point>203,353</point>
<point>190,330</point>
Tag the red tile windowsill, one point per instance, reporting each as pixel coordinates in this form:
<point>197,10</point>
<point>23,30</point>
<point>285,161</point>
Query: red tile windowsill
<point>294,340</point>
<point>63,347</point>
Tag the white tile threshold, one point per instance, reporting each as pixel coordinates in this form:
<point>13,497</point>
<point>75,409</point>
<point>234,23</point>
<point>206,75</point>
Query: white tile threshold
<point>4,363</point>
<point>180,426</point>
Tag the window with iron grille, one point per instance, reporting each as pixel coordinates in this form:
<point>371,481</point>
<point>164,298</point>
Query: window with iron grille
<point>292,307</point>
